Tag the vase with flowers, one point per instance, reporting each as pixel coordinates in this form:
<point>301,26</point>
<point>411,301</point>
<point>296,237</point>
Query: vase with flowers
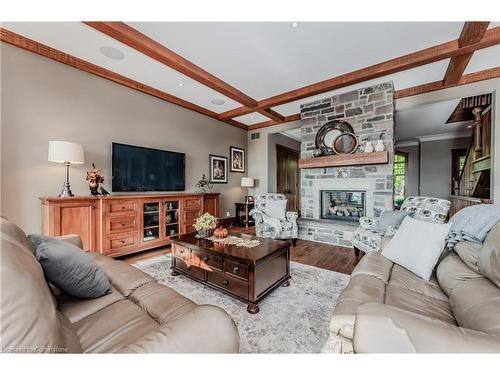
<point>205,224</point>
<point>94,178</point>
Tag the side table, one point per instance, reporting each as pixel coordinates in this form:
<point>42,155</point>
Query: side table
<point>242,211</point>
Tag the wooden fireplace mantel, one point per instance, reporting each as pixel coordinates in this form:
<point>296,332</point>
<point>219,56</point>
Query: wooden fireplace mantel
<point>380,157</point>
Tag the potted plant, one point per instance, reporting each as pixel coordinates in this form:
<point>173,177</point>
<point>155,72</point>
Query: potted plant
<point>205,224</point>
<point>94,178</point>
<point>398,201</point>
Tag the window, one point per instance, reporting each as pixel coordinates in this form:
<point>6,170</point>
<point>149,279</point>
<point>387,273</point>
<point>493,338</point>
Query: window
<point>400,168</point>
<point>461,163</point>
<point>458,159</point>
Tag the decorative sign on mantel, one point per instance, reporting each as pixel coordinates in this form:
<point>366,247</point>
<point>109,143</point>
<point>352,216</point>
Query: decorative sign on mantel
<point>381,157</point>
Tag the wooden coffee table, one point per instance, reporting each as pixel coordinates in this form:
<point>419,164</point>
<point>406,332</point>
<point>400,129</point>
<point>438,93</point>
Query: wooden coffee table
<point>248,274</point>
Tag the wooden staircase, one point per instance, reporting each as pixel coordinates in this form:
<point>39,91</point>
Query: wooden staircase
<point>475,178</point>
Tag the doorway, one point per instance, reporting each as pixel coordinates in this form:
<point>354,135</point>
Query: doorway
<point>287,175</point>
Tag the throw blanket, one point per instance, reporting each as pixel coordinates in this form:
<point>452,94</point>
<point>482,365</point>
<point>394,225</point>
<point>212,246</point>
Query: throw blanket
<point>273,222</point>
<point>473,223</point>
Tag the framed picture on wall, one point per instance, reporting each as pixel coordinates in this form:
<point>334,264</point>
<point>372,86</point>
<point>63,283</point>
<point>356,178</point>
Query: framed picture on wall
<point>237,159</point>
<point>218,169</point>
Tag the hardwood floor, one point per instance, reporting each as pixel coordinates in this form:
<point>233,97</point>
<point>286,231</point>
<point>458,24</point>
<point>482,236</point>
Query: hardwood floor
<point>333,258</point>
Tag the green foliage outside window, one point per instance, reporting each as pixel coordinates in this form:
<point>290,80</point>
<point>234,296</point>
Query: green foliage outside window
<point>399,178</point>
<point>461,163</point>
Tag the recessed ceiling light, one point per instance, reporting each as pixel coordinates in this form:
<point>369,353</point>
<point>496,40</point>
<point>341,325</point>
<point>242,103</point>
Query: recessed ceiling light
<point>217,101</point>
<point>112,53</point>
<point>181,84</point>
<point>294,25</point>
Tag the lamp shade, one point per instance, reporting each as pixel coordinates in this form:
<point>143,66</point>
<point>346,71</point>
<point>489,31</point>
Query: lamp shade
<point>247,182</point>
<point>60,152</point>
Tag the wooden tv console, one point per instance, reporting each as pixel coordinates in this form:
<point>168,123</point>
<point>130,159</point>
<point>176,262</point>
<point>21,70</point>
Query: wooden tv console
<point>122,224</point>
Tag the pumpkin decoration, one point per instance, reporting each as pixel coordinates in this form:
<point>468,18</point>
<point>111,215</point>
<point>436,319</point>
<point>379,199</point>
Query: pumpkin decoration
<point>221,232</point>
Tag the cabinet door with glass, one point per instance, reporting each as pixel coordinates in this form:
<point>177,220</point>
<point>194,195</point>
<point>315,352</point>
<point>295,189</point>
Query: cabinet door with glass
<point>151,223</point>
<point>171,224</point>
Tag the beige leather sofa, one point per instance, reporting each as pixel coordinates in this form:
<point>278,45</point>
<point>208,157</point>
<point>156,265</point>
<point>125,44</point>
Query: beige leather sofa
<point>139,316</point>
<point>388,309</point>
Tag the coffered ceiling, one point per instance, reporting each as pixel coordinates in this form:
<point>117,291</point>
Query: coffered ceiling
<point>257,74</point>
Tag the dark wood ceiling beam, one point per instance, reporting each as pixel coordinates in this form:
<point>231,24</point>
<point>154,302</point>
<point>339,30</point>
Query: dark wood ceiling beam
<point>273,115</point>
<point>144,44</point>
<point>472,32</point>
<point>410,91</point>
<point>426,56</point>
<point>439,85</point>
<point>64,58</point>
<point>456,68</point>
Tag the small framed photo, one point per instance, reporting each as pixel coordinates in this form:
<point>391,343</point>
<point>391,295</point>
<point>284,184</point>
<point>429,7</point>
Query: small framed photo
<point>237,159</point>
<point>218,169</point>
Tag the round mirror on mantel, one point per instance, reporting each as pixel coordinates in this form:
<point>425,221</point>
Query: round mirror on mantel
<point>345,143</point>
<point>328,133</point>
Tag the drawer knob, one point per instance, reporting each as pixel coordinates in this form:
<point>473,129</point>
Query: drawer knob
<point>188,268</point>
<point>123,241</point>
<point>123,224</point>
<point>225,282</point>
<point>205,259</point>
<point>236,270</point>
<point>181,251</point>
<point>123,207</point>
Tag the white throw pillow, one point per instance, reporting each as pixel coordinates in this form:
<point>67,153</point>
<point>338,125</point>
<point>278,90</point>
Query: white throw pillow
<point>417,246</point>
<point>276,208</point>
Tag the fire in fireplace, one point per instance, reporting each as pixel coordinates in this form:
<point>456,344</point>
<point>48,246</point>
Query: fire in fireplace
<point>348,205</point>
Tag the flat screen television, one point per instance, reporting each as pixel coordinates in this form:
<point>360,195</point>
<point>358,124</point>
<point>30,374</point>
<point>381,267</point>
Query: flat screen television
<point>136,168</point>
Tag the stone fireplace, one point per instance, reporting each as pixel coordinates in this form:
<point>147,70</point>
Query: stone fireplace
<point>344,205</point>
<point>333,198</point>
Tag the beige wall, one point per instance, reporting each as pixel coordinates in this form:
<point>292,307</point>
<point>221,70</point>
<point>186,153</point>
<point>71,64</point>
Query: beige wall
<point>43,100</point>
<point>435,166</point>
<point>258,155</point>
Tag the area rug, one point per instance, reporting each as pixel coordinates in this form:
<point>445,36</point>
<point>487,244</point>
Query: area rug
<point>291,320</point>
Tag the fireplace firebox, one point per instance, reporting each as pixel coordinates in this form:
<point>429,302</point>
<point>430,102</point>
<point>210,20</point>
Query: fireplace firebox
<point>346,205</point>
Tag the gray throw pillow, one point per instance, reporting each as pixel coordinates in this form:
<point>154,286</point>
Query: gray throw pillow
<point>389,218</point>
<point>69,268</point>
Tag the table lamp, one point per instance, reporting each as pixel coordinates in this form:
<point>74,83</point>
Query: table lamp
<point>247,182</point>
<point>67,153</point>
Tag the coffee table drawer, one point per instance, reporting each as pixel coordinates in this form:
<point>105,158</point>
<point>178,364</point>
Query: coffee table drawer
<point>192,270</point>
<point>236,269</point>
<point>231,284</point>
<point>204,259</point>
<point>181,252</point>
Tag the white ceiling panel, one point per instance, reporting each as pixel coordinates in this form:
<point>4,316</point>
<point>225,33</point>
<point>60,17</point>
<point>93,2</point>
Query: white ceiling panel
<point>425,120</point>
<point>251,118</point>
<point>408,78</point>
<point>265,59</point>
<point>82,41</point>
<point>484,59</point>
